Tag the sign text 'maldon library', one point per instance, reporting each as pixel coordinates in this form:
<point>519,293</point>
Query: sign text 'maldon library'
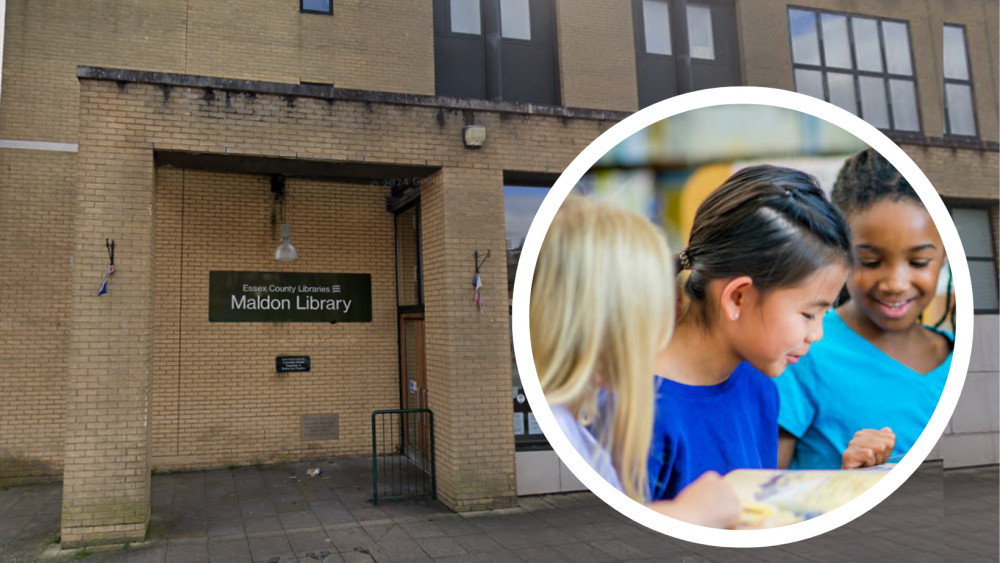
<point>289,297</point>
<point>303,301</point>
<point>269,303</point>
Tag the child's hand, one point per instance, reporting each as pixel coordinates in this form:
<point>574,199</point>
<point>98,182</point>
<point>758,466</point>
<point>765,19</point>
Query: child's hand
<point>708,501</point>
<point>869,447</point>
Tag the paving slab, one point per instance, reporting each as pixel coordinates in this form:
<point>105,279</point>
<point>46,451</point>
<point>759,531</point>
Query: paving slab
<point>277,514</point>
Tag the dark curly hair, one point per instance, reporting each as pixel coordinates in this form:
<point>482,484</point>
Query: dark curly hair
<point>771,223</point>
<point>866,179</point>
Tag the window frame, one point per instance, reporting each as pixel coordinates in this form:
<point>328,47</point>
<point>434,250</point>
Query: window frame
<point>967,82</point>
<point>854,71</point>
<point>328,12</point>
<point>989,206</point>
<point>523,442</point>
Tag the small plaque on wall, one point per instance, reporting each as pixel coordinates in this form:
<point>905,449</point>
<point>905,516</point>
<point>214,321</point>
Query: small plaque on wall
<point>320,427</point>
<point>283,364</point>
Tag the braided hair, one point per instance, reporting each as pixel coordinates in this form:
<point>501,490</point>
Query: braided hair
<point>770,223</point>
<point>866,179</point>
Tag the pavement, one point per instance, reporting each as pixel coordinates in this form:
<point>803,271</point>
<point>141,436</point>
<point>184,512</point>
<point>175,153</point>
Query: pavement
<point>278,514</point>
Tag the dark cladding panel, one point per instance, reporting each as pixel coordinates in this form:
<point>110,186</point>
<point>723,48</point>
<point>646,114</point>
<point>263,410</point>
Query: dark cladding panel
<point>657,79</point>
<point>460,67</point>
<point>724,69</point>
<point>657,74</point>
<point>528,74</point>
<point>520,67</point>
<point>529,68</point>
<point>459,59</point>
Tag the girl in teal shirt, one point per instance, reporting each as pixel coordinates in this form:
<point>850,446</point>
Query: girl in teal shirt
<point>863,394</point>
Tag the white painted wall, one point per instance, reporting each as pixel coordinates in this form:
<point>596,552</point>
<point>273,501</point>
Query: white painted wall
<point>973,434</point>
<point>540,472</point>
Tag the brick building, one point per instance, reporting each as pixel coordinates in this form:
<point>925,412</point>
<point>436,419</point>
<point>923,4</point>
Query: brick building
<point>187,131</point>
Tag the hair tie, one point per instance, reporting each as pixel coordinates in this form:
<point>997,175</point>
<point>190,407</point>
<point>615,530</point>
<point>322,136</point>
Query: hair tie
<point>685,259</point>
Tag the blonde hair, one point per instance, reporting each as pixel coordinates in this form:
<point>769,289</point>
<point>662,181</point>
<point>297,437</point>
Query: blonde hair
<point>602,306</point>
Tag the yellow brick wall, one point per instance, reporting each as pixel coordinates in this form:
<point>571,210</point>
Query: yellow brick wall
<point>468,360</point>
<point>385,45</point>
<point>961,173</point>
<point>106,473</point>
<point>597,54</point>
<point>36,199</point>
<point>45,40</point>
<point>216,397</point>
<point>367,44</point>
<point>195,222</point>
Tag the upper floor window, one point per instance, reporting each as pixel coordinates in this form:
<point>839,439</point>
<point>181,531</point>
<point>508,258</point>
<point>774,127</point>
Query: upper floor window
<point>976,231</point>
<point>496,50</point>
<point>316,6</point>
<point>682,47</point>
<point>861,64</point>
<point>465,17</point>
<point>959,117</point>
<point>515,19</point>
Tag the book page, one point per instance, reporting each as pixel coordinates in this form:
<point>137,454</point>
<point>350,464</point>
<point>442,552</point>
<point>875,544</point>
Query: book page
<point>773,498</point>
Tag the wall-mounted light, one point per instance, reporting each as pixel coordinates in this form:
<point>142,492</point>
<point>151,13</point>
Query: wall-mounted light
<point>474,135</point>
<point>285,252</point>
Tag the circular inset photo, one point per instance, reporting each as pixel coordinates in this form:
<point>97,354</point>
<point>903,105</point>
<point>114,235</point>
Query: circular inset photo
<point>742,317</point>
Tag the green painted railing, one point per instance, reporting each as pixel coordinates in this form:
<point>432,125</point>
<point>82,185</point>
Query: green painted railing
<point>403,454</point>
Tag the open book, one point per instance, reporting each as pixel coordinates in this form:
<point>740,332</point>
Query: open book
<point>772,498</point>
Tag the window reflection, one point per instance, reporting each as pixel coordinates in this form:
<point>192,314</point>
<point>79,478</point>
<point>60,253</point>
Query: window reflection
<point>520,204</point>
<point>841,87</point>
<point>954,53</point>
<point>700,31</point>
<point>316,6</point>
<point>836,46</point>
<point>904,105</point>
<point>465,16</point>
<point>960,117</point>
<point>515,21</point>
<point>897,48</point>
<point>959,103</point>
<point>809,82</point>
<point>656,26</point>
<point>973,226</point>
<point>805,42</point>
<point>873,103</point>
<point>867,50</point>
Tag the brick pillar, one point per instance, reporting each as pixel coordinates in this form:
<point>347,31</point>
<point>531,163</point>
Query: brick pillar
<point>106,479</point>
<point>468,353</point>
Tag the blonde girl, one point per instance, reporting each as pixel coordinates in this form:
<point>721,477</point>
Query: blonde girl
<point>602,306</point>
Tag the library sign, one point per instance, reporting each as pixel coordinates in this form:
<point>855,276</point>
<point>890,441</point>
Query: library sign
<point>288,297</point>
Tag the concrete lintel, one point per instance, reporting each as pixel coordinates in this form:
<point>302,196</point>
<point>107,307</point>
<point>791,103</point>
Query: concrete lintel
<point>339,94</point>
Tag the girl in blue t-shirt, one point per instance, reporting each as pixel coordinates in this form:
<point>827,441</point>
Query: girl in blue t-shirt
<point>767,256</point>
<point>832,416</point>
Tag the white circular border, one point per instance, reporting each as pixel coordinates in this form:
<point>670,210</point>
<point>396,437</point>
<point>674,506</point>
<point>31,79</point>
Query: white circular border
<point>748,96</point>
